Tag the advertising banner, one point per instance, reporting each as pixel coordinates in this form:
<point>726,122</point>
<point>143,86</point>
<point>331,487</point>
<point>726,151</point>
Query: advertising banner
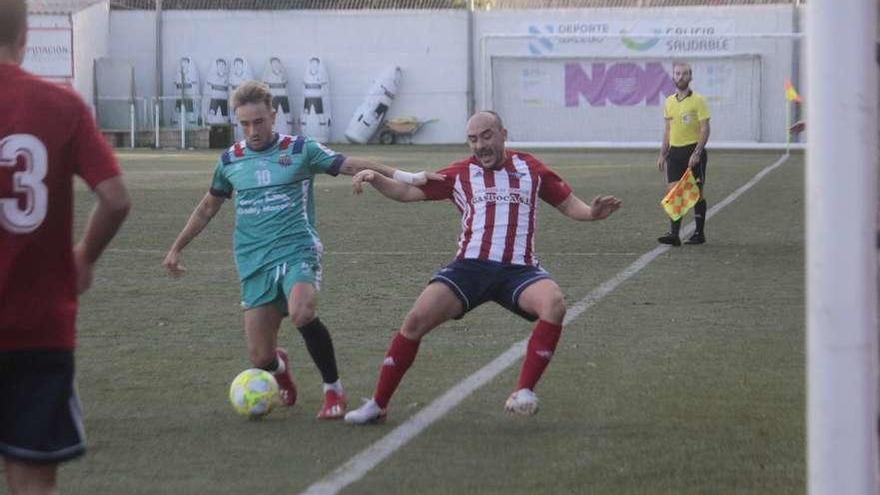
<point>50,47</point>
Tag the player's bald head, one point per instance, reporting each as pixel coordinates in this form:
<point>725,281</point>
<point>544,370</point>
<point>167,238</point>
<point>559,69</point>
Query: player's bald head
<point>13,21</point>
<point>485,118</point>
<point>486,136</point>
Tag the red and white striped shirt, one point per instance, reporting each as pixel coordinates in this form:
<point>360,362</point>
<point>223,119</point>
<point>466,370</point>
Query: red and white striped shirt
<point>498,206</point>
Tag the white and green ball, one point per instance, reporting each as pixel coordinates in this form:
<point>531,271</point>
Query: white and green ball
<point>254,393</point>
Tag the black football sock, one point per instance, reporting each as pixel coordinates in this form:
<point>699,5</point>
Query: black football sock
<point>320,347</point>
<point>700,215</point>
<point>273,365</point>
<point>674,226</point>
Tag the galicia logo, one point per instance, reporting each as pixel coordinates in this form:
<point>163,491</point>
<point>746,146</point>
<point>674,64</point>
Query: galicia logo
<point>639,46</point>
<point>541,45</point>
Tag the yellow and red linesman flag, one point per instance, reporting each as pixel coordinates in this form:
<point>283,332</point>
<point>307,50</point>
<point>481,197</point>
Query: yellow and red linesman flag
<point>682,197</point>
<point>791,94</point>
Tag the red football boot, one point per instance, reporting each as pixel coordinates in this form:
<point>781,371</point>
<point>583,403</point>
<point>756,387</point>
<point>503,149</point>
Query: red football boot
<point>286,386</point>
<point>334,405</point>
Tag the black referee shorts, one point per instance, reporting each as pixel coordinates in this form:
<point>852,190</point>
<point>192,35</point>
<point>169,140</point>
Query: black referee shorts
<point>677,163</point>
<point>40,415</point>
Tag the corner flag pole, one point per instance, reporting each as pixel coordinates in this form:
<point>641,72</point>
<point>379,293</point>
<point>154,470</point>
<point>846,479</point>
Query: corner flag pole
<point>791,96</point>
<point>787,126</point>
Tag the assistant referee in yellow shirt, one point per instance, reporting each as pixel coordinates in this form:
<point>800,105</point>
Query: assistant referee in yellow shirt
<point>684,143</point>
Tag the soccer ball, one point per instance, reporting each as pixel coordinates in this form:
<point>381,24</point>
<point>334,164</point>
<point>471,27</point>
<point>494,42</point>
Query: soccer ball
<point>254,393</point>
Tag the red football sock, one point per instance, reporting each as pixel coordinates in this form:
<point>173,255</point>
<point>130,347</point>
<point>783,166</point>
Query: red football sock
<point>542,343</point>
<point>400,355</point>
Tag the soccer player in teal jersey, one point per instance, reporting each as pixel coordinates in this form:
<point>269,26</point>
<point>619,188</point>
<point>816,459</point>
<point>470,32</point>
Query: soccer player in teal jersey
<point>277,249</point>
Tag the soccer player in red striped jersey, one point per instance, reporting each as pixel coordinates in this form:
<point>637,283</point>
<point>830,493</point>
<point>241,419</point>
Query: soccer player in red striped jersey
<point>47,135</point>
<point>497,192</point>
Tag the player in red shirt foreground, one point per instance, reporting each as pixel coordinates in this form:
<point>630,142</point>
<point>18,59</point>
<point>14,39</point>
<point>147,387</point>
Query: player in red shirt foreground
<point>47,135</point>
<point>496,192</point>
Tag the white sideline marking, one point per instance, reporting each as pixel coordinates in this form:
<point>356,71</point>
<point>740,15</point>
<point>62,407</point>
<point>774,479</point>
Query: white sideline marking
<point>359,465</point>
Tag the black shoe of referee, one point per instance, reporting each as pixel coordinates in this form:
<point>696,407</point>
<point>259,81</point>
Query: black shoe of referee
<point>669,238</point>
<point>697,238</point>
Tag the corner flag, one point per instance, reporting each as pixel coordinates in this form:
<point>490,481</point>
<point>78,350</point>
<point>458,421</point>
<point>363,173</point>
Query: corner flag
<point>682,197</point>
<point>791,94</point>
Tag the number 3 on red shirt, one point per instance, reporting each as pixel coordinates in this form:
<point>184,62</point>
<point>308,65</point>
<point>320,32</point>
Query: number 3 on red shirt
<point>27,184</point>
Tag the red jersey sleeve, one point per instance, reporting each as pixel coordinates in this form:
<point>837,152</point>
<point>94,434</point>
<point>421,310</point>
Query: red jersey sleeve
<point>92,156</point>
<point>553,190</point>
<point>441,189</point>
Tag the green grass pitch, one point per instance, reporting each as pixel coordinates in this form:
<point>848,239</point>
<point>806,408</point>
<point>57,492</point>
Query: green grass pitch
<point>687,379</point>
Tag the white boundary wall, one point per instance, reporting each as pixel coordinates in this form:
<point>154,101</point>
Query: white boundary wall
<point>63,47</point>
<point>431,47</point>
<point>50,47</point>
<point>91,41</point>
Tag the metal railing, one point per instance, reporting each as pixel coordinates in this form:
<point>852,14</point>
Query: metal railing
<point>135,116</point>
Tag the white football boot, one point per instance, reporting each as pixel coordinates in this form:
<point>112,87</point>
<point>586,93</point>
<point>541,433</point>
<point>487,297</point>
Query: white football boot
<point>523,402</point>
<point>370,412</point>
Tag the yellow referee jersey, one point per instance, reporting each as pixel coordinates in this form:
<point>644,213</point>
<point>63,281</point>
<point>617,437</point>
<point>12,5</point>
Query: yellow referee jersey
<point>685,117</point>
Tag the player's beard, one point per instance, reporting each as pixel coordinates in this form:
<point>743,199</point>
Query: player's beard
<point>682,85</point>
<point>257,143</point>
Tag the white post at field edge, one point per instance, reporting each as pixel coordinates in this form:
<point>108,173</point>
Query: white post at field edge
<point>156,103</point>
<point>182,124</point>
<point>131,124</point>
<point>841,204</point>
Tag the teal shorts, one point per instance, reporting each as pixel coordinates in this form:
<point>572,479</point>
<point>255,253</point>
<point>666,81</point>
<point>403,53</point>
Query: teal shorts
<point>273,286</point>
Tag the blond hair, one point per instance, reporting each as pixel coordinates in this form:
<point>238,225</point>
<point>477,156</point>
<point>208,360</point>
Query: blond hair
<point>251,92</point>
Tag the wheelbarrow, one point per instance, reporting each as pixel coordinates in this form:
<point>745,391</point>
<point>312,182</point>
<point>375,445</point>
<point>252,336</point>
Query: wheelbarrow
<point>401,127</point>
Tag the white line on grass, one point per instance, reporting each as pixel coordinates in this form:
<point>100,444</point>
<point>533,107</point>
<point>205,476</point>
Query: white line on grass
<point>359,465</point>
